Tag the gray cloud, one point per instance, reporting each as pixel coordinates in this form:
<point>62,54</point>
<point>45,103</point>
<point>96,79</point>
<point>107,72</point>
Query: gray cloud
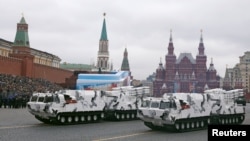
<point>71,29</point>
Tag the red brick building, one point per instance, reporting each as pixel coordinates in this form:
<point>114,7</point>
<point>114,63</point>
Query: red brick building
<point>185,73</point>
<point>18,58</point>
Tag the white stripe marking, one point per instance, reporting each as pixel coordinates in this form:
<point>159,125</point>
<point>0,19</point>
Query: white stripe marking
<point>13,127</point>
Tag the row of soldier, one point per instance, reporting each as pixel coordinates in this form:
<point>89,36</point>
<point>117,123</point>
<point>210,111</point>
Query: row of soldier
<point>15,91</point>
<point>18,101</point>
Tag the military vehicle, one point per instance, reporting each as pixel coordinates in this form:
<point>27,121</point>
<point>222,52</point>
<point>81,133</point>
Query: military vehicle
<point>192,111</point>
<point>84,106</point>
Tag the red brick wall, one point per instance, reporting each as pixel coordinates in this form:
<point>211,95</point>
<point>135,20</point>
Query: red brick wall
<point>9,65</point>
<point>26,67</point>
<point>52,74</point>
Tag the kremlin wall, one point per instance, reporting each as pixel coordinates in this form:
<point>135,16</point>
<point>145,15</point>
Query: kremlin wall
<point>24,66</point>
<point>19,59</point>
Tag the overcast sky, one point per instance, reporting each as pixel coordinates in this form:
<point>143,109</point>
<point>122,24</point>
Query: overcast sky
<point>71,29</point>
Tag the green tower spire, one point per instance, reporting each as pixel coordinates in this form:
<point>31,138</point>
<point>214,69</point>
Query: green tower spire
<point>103,52</point>
<point>22,37</point>
<point>125,63</point>
<point>104,31</point>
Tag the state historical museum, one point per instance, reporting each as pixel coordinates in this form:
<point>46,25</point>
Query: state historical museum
<point>185,73</point>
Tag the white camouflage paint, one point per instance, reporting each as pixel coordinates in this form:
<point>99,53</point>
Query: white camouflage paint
<point>182,106</point>
<point>120,98</point>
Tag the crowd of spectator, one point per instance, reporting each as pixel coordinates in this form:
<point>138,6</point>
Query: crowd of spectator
<point>15,91</point>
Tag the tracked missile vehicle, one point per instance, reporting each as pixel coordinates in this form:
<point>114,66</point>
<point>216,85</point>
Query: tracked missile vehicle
<point>84,106</point>
<point>192,111</point>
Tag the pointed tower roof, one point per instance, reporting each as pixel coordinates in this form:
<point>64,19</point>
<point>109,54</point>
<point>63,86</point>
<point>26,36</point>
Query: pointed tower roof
<point>226,73</point>
<point>211,67</point>
<point>170,39</point>
<point>170,45</point>
<point>125,63</point>
<point>22,21</point>
<point>160,67</point>
<point>104,31</point>
<point>201,39</point>
<point>22,37</point>
<point>201,46</point>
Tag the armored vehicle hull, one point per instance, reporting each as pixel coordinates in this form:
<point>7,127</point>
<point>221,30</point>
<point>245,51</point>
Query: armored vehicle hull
<point>85,106</point>
<point>192,111</point>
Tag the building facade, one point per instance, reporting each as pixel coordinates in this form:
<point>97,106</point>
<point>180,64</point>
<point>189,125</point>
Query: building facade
<point>239,75</point>
<point>185,73</point>
<point>244,70</point>
<point>18,58</point>
<point>5,47</point>
<point>21,45</point>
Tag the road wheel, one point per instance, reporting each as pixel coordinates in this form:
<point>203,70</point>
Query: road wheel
<point>122,116</point>
<point>89,118</point>
<point>233,120</point>
<point>58,117</point>
<point>102,115</point>
<point>177,126</point>
<point>236,120</point>
<point>230,120</point>
<point>82,118</point>
<point>222,121</point>
<point>197,124</point>
<point>95,117</point>
<point>202,124</point>
<point>242,117</point>
<point>76,118</point>
<point>208,121</point>
<point>132,116</point>
<point>117,116</point>
<point>127,116</point>
<point>62,119</point>
<point>182,126</point>
<point>70,119</point>
<point>226,121</point>
<point>192,124</point>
